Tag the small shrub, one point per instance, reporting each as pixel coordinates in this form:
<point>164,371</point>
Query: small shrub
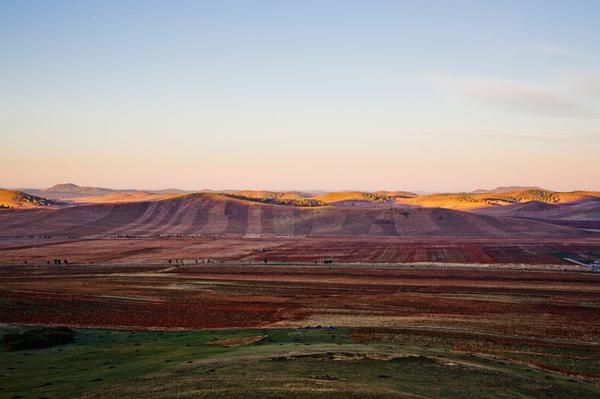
<point>38,338</point>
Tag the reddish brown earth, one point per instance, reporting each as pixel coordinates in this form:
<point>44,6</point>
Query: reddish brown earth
<point>306,250</point>
<point>545,304</point>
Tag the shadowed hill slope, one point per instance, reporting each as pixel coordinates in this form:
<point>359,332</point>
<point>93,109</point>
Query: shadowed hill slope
<point>584,210</point>
<point>218,214</point>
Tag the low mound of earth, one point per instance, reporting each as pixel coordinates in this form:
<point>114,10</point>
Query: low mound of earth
<point>218,214</point>
<point>12,199</point>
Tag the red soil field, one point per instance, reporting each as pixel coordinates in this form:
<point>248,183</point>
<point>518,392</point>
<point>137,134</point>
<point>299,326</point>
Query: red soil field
<point>544,304</point>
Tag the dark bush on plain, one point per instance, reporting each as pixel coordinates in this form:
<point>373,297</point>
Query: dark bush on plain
<point>38,338</point>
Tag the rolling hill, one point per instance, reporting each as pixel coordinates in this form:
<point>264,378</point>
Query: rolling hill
<point>384,199</point>
<point>223,215</point>
<point>584,213</point>
<point>18,200</point>
<point>478,201</point>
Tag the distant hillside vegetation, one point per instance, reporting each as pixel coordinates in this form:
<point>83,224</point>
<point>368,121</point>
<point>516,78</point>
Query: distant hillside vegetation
<point>363,196</point>
<point>291,198</point>
<point>476,201</point>
<point>507,189</point>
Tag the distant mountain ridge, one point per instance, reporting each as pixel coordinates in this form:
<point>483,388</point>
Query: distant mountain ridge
<point>73,194</point>
<point>83,194</point>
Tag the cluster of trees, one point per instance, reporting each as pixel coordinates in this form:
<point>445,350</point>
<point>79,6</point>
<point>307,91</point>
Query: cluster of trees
<point>324,261</point>
<point>32,199</point>
<point>376,197</point>
<point>182,262</point>
<point>57,261</point>
<point>524,196</point>
<point>298,201</point>
<point>537,195</point>
<point>466,198</point>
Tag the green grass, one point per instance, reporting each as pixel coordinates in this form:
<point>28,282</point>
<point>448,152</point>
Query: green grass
<point>286,364</point>
<point>576,360</point>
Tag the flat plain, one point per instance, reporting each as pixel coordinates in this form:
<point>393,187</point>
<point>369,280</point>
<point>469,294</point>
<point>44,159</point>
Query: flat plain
<point>347,330</point>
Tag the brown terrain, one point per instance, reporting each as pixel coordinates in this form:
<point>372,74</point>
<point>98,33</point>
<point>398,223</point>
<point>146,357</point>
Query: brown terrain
<point>261,258</point>
<point>497,276</point>
<point>248,259</point>
<point>283,227</point>
<point>556,304</point>
<point>221,214</point>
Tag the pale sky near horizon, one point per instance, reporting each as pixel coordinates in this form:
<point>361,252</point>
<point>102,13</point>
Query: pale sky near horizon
<point>330,95</point>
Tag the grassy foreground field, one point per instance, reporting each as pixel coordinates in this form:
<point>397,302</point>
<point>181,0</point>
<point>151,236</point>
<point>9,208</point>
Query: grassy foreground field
<point>293,363</point>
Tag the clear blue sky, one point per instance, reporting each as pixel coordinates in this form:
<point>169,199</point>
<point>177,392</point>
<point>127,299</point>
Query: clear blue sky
<point>417,95</point>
